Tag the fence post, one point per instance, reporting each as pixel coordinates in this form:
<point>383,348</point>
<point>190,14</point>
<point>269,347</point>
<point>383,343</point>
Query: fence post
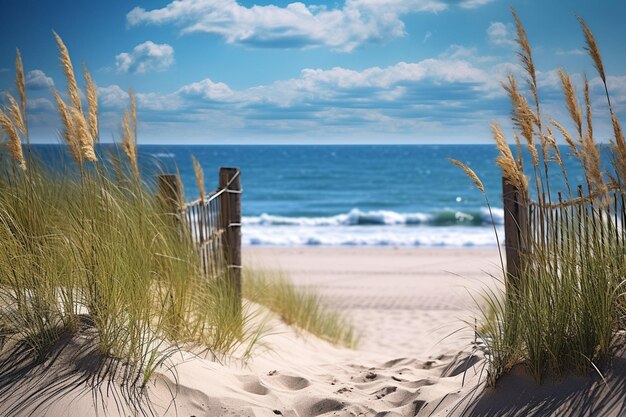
<point>169,191</point>
<point>230,219</point>
<point>515,223</point>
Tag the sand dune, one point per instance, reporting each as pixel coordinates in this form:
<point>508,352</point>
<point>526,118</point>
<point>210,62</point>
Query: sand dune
<point>403,305</point>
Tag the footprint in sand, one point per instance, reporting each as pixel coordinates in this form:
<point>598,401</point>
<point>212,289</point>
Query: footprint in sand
<point>294,383</point>
<point>315,406</point>
<point>253,385</point>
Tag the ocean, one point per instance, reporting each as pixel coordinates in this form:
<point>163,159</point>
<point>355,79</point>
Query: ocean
<point>350,195</point>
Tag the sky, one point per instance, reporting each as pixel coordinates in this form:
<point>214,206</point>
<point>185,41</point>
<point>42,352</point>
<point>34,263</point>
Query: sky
<point>273,71</point>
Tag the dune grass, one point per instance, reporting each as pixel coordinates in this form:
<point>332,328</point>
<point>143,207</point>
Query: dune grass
<point>89,245</point>
<point>297,307</point>
<point>564,312</point>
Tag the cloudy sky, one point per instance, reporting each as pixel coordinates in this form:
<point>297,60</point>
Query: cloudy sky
<point>274,71</point>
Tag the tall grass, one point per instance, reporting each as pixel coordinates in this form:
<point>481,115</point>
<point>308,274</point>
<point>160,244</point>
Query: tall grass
<point>300,308</point>
<point>89,249</point>
<point>563,313</point>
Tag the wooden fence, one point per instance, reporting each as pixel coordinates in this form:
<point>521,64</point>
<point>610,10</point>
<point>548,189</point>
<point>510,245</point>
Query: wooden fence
<point>561,226</point>
<point>214,223</point>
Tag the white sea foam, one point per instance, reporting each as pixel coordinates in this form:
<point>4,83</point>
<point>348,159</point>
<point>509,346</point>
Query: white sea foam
<point>357,217</point>
<point>426,236</point>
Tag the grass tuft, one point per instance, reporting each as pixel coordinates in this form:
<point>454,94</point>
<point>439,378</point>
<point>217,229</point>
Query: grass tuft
<point>298,307</point>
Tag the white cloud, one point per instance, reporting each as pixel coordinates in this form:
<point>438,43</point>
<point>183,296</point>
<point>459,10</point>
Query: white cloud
<point>113,97</point>
<point>427,36</point>
<point>576,52</point>
<point>38,80</point>
<point>145,57</point>
<point>500,34</point>
<point>472,4</point>
<point>37,105</point>
<point>296,25</point>
<point>207,90</point>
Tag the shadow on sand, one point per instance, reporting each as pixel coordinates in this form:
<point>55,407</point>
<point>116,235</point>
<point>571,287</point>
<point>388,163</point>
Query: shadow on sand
<point>517,394</point>
<point>72,372</point>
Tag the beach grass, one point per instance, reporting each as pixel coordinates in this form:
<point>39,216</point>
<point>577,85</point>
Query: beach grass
<point>90,246</point>
<point>564,312</point>
<point>298,307</point>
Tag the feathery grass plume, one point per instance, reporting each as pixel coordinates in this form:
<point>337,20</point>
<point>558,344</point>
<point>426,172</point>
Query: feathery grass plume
<point>470,173</point>
<point>20,81</point>
<point>551,140</point>
<point>83,136</point>
<point>570,100</point>
<point>523,117</point>
<point>620,148</point>
<point>68,70</point>
<point>21,89</point>
<point>526,57</point>
<point>591,162</point>
<point>68,129</point>
<point>16,114</point>
<point>518,149</point>
<point>129,145</point>
<point>506,161</point>
<point>92,103</point>
<point>588,109</point>
<point>133,111</point>
<point>14,144</point>
<point>568,138</point>
<point>592,49</point>
<point>199,177</point>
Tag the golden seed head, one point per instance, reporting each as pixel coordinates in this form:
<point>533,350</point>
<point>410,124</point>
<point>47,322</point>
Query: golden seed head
<point>20,81</point>
<point>567,136</point>
<point>82,134</point>
<point>16,114</point>
<point>68,69</point>
<point>92,103</point>
<point>129,144</point>
<point>510,168</point>
<point>468,171</point>
<point>15,144</point>
<point>199,177</point>
<point>570,100</point>
<point>592,49</point>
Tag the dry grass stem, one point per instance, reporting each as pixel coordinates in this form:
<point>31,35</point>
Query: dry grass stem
<point>92,104</point>
<point>571,102</point>
<point>68,130</point>
<point>510,168</point>
<point>592,48</point>
<point>591,161</point>
<point>20,82</point>
<point>81,130</point>
<point>68,70</point>
<point>470,173</point>
<point>526,57</point>
<point>199,177</point>
<point>620,148</point>
<point>128,143</point>
<point>523,117</point>
<point>16,114</point>
<point>568,138</point>
<point>133,111</point>
<point>14,144</point>
<point>588,109</point>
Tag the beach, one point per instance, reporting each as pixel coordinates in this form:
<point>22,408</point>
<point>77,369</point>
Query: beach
<point>403,302</point>
<point>411,308</point>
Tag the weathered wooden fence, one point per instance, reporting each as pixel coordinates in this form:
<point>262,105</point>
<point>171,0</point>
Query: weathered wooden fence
<point>214,223</point>
<point>561,226</point>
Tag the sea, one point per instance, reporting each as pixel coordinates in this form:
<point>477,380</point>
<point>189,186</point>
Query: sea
<point>349,195</point>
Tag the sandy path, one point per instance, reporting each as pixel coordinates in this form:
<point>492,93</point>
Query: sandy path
<point>403,302</point>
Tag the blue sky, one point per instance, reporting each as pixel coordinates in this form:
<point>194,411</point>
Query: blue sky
<point>272,71</point>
